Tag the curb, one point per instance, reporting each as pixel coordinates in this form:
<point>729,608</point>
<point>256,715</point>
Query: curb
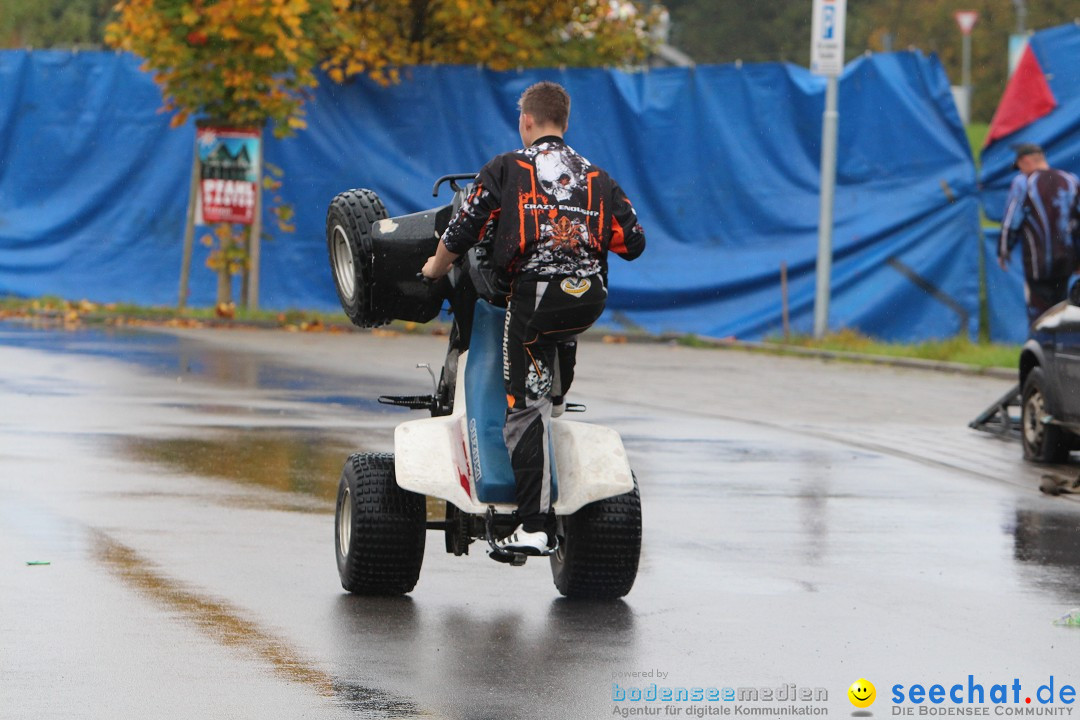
<point>912,363</point>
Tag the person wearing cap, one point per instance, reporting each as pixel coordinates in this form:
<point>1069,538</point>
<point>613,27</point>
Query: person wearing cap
<point>1042,215</point>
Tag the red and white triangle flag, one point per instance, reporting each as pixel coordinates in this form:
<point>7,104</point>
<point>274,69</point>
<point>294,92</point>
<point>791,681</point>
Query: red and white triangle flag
<point>1027,98</point>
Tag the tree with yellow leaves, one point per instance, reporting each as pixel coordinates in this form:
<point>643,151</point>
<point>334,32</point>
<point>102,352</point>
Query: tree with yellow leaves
<point>244,62</point>
<point>240,63</point>
<point>383,35</point>
<point>248,63</point>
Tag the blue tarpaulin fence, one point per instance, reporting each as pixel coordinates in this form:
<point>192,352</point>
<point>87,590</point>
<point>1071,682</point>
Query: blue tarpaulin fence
<point>1006,308</point>
<point>720,161</point>
<point>1057,50</point>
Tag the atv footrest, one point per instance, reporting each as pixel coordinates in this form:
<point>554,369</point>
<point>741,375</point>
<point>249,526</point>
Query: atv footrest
<point>413,402</point>
<point>514,559</point>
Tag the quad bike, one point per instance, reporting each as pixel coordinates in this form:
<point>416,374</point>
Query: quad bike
<point>458,454</point>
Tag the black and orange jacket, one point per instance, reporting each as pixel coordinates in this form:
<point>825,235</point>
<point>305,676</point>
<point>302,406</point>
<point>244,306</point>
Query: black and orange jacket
<point>554,214</point>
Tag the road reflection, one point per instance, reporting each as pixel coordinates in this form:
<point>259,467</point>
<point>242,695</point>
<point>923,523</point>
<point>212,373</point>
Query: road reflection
<point>184,357</point>
<point>1047,546</point>
<point>290,461</point>
<point>298,465</point>
<point>480,660</point>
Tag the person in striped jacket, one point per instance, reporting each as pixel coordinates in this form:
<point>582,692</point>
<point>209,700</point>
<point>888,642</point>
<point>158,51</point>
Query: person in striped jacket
<point>1042,215</point>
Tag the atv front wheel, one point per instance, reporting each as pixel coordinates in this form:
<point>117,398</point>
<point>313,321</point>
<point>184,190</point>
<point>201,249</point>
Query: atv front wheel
<point>599,548</point>
<point>379,529</point>
<point>349,222</point>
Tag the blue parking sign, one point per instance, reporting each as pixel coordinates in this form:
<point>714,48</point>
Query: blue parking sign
<point>827,37</point>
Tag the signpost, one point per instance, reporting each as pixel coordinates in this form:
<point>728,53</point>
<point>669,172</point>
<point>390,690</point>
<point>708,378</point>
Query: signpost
<point>827,58</point>
<point>225,188</point>
<point>1018,40</point>
<point>966,19</point>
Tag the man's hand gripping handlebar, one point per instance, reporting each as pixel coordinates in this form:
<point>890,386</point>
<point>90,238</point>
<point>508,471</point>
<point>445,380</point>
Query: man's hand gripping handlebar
<point>438,264</point>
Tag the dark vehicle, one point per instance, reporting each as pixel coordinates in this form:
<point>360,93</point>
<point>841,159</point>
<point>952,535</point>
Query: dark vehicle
<point>1050,383</point>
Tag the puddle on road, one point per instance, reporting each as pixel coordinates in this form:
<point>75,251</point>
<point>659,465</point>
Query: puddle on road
<point>299,466</point>
<point>1046,544</point>
<point>291,461</point>
<point>178,356</point>
<point>454,645</point>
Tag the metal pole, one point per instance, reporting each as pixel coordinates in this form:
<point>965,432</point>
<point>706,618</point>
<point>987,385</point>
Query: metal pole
<point>1021,16</point>
<point>965,77</point>
<point>189,233</point>
<point>784,301</point>
<point>255,237</point>
<point>825,223</point>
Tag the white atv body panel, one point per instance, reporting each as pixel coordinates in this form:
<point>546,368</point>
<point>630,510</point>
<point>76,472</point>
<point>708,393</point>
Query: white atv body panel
<point>430,458</point>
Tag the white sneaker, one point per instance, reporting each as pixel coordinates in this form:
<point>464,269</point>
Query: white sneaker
<point>529,543</point>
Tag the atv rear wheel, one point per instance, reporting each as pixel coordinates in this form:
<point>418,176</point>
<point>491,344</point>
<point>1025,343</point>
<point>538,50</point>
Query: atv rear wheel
<point>599,548</point>
<point>379,529</point>
<point>349,222</point>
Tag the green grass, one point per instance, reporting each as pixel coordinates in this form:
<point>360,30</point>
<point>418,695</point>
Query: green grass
<point>976,135</point>
<point>69,313</point>
<point>50,306</point>
<point>956,350</point>
<point>54,311</point>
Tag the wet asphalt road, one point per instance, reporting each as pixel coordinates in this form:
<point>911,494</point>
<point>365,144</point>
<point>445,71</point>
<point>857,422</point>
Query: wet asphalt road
<point>805,523</point>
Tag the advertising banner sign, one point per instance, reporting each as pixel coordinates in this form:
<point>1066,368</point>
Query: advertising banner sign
<point>229,173</point>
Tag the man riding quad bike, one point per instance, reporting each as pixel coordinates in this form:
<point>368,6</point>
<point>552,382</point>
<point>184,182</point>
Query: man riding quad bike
<point>533,229</point>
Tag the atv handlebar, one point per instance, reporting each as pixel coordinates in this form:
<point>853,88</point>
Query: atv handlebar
<point>453,182</point>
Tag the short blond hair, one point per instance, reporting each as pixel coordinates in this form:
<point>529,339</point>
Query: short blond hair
<point>547,103</point>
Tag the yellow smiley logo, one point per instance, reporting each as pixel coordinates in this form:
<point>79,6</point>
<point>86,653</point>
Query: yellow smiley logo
<point>862,693</point>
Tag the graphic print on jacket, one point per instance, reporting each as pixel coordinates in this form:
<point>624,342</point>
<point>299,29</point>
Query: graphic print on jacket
<point>554,214</point>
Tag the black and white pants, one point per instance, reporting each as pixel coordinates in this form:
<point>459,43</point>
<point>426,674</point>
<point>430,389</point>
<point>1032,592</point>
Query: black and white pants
<point>543,320</point>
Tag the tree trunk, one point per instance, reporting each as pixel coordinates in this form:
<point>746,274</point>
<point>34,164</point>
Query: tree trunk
<point>189,233</point>
<point>224,280</point>
<point>245,274</point>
